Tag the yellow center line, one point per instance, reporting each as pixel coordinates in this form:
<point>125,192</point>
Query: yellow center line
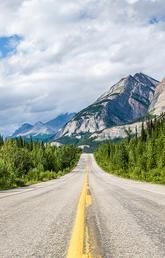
<point>76,245</point>
<point>88,200</point>
<point>88,253</point>
<point>75,249</point>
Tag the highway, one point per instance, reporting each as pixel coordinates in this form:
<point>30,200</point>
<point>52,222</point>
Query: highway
<point>86,213</point>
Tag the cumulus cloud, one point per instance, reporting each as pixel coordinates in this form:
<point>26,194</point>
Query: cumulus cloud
<point>70,52</point>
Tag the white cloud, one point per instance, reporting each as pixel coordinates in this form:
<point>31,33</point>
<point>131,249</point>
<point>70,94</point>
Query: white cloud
<point>71,52</point>
<point>132,1</point>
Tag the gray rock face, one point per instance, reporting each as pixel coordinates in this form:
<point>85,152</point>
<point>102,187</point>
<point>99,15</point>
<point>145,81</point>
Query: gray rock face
<point>90,124</point>
<point>126,101</point>
<point>158,102</point>
<point>117,132</point>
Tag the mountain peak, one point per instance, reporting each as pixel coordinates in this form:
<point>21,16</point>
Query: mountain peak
<point>140,74</point>
<point>129,77</point>
<point>23,129</point>
<point>143,78</point>
<point>126,101</point>
<point>39,128</point>
<point>39,124</point>
<point>118,87</point>
<point>127,84</point>
<point>26,125</point>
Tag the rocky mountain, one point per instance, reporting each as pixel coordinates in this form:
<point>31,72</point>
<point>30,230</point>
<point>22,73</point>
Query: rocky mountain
<point>39,128</point>
<point>116,132</point>
<point>59,121</point>
<point>158,103</point>
<point>156,107</point>
<point>22,130</point>
<point>126,101</point>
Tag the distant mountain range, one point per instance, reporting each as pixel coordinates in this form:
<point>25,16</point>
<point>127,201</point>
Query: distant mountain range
<point>40,129</point>
<point>126,103</point>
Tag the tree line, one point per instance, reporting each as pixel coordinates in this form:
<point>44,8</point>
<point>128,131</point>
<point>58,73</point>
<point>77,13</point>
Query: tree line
<point>141,157</point>
<point>23,163</point>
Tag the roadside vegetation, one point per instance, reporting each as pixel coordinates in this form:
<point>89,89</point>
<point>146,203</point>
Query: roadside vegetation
<point>24,163</point>
<point>141,157</point>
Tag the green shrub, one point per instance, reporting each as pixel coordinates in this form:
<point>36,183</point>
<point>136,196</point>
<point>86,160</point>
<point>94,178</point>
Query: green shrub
<point>20,182</point>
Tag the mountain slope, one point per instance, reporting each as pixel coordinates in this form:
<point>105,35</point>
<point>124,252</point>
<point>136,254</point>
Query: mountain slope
<point>39,128</point>
<point>59,121</point>
<point>22,130</point>
<point>127,100</point>
<point>158,102</point>
<point>117,132</point>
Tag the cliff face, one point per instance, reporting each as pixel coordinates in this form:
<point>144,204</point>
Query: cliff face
<point>158,102</point>
<point>126,101</point>
<point>117,132</point>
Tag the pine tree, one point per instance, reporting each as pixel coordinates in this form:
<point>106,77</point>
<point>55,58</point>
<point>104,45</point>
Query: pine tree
<point>31,143</point>
<point>1,140</point>
<point>143,134</point>
<point>128,133</point>
<point>136,135</point>
<point>20,142</point>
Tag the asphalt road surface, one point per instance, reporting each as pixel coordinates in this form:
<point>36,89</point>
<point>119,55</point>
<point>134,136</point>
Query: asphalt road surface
<point>114,216</point>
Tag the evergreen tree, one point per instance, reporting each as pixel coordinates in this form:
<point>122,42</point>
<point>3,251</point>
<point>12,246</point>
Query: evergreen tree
<point>1,140</point>
<point>22,162</point>
<point>143,133</point>
<point>140,157</point>
<point>31,143</point>
<point>128,133</point>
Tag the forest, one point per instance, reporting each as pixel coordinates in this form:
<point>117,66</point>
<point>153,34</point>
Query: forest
<point>23,163</point>
<point>141,157</point>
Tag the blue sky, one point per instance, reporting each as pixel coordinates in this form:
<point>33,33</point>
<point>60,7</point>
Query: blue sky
<point>154,20</point>
<point>8,45</point>
<point>60,56</point>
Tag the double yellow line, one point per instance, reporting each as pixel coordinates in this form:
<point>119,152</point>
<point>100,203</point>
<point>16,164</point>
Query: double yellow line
<point>80,232</point>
